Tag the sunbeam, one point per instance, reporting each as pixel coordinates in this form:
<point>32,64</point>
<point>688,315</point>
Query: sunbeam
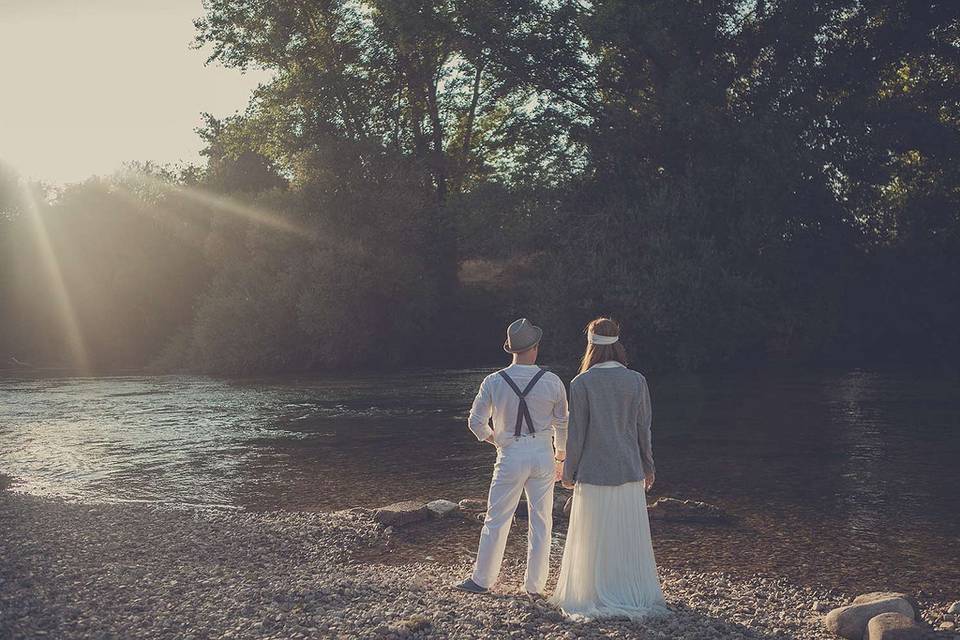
<point>228,205</point>
<point>220,204</point>
<point>54,275</point>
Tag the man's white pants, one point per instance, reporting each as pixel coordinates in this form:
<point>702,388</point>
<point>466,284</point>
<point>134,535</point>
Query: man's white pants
<point>525,465</point>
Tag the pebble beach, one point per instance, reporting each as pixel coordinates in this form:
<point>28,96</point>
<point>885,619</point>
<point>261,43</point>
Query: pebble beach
<point>79,570</point>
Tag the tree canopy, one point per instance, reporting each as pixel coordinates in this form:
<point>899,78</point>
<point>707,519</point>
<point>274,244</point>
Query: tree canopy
<point>737,181</point>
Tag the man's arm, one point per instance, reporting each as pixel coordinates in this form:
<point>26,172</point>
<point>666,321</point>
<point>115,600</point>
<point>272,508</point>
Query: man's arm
<point>480,414</point>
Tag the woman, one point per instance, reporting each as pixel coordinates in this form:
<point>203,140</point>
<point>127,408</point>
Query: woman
<point>608,567</point>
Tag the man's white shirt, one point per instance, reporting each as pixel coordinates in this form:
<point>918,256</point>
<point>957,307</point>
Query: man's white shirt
<point>547,403</point>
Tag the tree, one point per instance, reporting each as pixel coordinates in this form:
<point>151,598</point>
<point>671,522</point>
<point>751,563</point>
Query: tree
<point>443,85</point>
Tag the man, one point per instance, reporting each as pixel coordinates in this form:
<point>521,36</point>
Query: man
<point>526,403</point>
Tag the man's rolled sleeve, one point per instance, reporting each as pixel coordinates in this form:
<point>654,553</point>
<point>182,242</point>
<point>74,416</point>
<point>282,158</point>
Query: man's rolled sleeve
<point>480,412</point>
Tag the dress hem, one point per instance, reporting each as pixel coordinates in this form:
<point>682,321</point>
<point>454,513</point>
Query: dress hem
<point>588,615</point>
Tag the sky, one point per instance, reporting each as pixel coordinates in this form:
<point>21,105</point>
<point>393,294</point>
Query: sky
<point>86,85</point>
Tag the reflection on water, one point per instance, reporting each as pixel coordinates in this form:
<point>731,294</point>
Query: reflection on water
<point>846,479</point>
<point>864,485</point>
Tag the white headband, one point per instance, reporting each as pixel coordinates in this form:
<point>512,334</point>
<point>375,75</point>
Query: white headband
<point>597,339</point>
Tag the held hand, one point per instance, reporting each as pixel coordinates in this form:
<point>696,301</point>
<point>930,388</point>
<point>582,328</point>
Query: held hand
<point>567,485</point>
<point>557,470</point>
<point>648,482</point>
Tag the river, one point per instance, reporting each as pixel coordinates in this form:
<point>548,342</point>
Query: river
<point>847,479</point>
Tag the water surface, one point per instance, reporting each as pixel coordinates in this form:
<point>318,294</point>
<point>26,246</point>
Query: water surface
<point>848,479</point>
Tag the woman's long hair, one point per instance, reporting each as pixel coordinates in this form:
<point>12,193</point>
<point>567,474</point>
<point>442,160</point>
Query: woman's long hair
<point>602,352</point>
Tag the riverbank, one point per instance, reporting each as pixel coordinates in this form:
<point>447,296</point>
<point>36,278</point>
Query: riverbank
<point>138,571</point>
<point>877,510</point>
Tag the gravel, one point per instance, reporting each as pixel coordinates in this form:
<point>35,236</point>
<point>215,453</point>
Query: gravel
<point>74,570</point>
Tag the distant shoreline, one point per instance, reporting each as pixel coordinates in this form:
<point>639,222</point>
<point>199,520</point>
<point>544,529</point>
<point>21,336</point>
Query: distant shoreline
<point>565,368</point>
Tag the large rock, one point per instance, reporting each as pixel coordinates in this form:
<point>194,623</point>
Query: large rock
<point>673,510</point>
<point>893,626</point>
<point>851,621</point>
<point>873,596</point>
<point>441,508</point>
<point>401,513</point>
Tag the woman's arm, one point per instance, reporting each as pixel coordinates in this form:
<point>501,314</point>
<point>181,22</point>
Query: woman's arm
<point>576,430</point>
<point>644,436</point>
<point>561,415</point>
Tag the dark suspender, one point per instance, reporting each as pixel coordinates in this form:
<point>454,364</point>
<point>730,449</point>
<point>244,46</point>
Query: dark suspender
<point>523,413</point>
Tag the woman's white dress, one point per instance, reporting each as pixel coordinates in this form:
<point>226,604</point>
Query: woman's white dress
<point>608,568</point>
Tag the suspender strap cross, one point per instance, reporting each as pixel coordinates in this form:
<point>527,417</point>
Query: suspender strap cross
<point>523,413</point>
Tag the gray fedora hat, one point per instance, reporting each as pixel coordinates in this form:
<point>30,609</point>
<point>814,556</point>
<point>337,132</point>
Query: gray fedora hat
<point>522,336</point>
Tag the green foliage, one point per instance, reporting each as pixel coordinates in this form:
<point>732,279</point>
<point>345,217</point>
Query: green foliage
<point>752,178</point>
<point>448,84</point>
<point>682,298</point>
<point>736,180</point>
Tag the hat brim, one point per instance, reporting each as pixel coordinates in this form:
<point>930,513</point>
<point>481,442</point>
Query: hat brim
<point>518,349</point>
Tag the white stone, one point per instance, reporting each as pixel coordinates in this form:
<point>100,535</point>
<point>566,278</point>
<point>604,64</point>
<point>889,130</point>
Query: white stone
<point>684,511</point>
<point>473,504</point>
<point>441,508</point>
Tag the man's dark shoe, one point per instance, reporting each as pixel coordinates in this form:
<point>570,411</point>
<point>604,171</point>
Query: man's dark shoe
<point>470,586</point>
